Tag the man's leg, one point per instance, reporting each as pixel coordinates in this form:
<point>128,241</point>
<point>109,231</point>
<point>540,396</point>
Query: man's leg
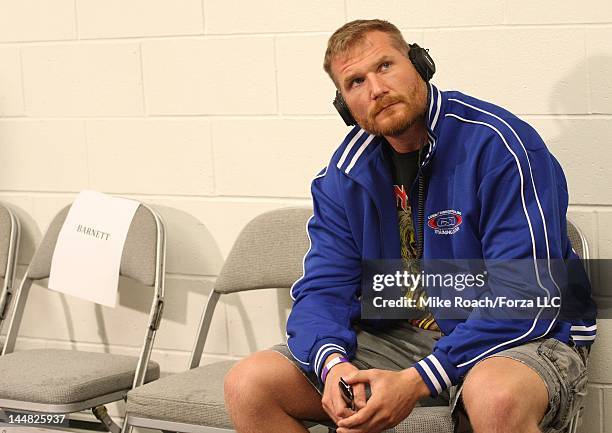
<point>504,395</point>
<point>267,393</point>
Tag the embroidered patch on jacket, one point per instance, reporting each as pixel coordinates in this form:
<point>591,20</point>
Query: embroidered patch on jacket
<point>445,222</point>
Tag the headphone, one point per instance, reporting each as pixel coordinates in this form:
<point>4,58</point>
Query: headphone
<point>422,62</point>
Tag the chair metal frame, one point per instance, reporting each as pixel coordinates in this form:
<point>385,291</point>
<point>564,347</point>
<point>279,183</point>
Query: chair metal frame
<point>6,292</point>
<point>145,352</point>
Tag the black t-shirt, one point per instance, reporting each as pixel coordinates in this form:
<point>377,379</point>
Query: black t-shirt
<point>404,167</point>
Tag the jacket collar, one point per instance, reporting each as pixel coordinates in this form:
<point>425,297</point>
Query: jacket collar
<point>435,114</point>
<point>435,105</point>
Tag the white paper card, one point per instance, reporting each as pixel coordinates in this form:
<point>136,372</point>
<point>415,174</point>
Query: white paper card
<point>88,252</point>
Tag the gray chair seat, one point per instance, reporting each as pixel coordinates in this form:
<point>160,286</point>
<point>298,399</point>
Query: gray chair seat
<point>196,397</point>
<point>434,419</point>
<point>55,376</point>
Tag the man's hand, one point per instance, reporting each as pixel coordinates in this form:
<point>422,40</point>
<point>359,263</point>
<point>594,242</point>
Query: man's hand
<point>394,395</point>
<point>332,401</point>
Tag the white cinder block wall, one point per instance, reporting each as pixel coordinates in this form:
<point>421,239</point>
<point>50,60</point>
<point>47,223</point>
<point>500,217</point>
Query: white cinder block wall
<point>218,110</point>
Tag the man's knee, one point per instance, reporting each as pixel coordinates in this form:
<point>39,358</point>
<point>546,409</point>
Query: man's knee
<point>502,394</point>
<point>495,404</point>
<point>251,381</point>
<point>267,383</point>
<point>493,410</point>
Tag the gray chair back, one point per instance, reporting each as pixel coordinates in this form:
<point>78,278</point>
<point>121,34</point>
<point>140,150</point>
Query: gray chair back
<point>579,244</point>
<point>139,253</point>
<point>6,230</point>
<point>578,241</point>
<point>268,253</point>
<point>143,260</point>
<point>10,231</point>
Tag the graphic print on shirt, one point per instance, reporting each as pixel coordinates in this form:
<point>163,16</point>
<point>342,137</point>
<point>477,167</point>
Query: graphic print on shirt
<point>409,255</point>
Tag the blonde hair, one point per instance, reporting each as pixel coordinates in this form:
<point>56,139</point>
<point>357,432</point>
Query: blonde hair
<point>351,33</point>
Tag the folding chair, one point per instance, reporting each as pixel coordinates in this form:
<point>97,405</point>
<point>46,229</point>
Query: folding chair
<point>65,381</point>
<point>10,231</point>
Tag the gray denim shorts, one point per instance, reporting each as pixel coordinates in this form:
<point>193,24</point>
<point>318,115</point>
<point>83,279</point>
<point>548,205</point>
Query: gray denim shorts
<point>562,367</point>
<point>400,346</point>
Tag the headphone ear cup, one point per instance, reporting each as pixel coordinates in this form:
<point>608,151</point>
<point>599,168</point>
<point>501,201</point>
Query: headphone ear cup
<point>422,62</point>
<point>343,109</point>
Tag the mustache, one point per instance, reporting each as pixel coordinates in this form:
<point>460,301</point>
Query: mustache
<point>383,103</point>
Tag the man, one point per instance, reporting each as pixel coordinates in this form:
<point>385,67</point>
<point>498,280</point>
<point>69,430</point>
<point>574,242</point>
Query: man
<point>490,190</point>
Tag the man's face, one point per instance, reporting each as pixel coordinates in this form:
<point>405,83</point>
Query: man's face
<point>382,88</point>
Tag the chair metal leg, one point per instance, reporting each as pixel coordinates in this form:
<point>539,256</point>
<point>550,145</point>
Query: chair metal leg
<point>573,425</point>
<point>126,427</point>
<point>101,413</point>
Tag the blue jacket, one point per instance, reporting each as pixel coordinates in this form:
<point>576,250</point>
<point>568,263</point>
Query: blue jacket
<point>484,165</point>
